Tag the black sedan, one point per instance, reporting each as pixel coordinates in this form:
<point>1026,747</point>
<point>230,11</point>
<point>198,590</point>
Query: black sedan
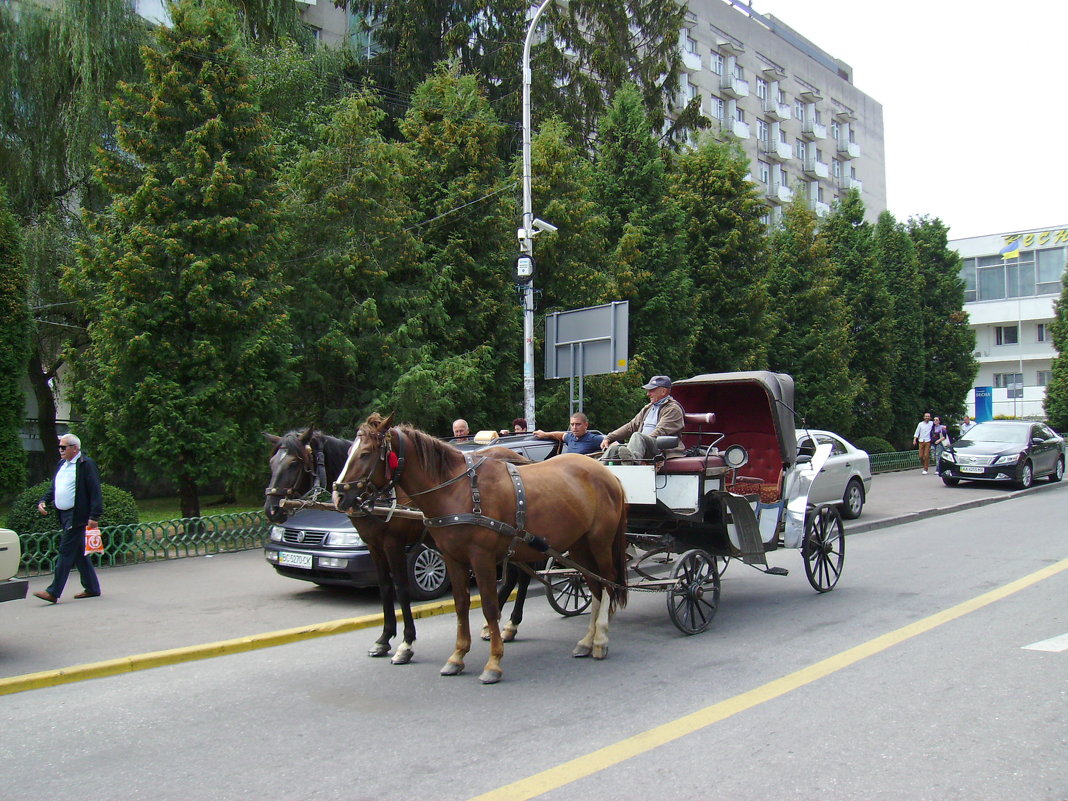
<point>1004,450</point>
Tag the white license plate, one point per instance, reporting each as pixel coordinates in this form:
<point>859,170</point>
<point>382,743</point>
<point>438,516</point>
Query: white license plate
<point>295,559</point>
<point>969,469</point>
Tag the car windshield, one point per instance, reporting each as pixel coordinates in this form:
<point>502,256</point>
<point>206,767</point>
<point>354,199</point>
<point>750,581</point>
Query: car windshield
<point>986,432</point>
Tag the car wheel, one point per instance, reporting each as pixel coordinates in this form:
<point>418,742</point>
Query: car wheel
<point>949,481</point>
<point>1058,472</point>
<point>1027,476</point>
<point>428,578</point>
<point>853,500</point>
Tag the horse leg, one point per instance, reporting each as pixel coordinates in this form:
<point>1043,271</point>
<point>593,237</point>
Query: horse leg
<point>511,628</point>
<point>600,637</point>
<point>585,645</point>
<point>486,578</point>
<point>511,573</point>
<point>398,567</point>
<point>461,596</point>
<point>387,595</point>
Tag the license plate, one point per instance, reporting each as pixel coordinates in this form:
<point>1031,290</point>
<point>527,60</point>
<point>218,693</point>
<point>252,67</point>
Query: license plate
<point>295,559</point>
<point>969,469</point>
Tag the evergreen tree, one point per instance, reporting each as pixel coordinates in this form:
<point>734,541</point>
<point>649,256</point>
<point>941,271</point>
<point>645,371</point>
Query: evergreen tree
<point>1056,402</point>
<point>269,21</point>
<point>726,248</point>
<point>949,367</point>
<point>465,359</point>
<point>864,290</point>
<point>896,255</point>
<point>14,341</point>
<point>647,247</point>
<point>810,337</point>
<point>190,345</point>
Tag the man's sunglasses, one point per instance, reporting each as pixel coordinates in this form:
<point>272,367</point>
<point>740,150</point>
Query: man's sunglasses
<point>64,447</point>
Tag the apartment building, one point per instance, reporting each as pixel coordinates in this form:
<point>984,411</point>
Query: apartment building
<point>1011,281</point>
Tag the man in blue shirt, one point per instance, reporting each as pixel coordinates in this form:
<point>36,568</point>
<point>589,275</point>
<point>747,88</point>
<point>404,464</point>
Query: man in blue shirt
<point>578,439</point>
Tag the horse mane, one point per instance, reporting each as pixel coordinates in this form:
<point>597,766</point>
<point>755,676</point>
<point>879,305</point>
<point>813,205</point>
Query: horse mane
<point>335,450</point>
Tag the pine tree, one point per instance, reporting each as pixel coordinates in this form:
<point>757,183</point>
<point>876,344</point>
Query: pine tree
<point>1056,402</point>
<point>895,253</point>
<point>14,349</point>
<point>190,343</point>
<point>864,290</point>
<point>726,248</point>
<point>949,367</point>
<point>811,332</point>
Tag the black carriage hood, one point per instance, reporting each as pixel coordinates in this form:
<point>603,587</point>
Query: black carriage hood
<point>746,401</point>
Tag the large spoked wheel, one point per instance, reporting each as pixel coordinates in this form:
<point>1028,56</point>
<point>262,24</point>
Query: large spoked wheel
<point>568,593</point>
<point>823,548</point>
<point>693,600</point>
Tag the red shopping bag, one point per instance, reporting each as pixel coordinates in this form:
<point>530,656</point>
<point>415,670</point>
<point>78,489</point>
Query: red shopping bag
<point>93,542</point>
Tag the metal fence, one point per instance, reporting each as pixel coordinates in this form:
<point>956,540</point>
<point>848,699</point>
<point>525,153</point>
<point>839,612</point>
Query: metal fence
<point>889,462</point>
<point>150,542</point>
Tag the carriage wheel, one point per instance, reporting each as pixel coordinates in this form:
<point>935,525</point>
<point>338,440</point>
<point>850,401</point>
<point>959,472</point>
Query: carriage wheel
<point>823,548</point>
<point>693,601</point>
<point>567,592</point>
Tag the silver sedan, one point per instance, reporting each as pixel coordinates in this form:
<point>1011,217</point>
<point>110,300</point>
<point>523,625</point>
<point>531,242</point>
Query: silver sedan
<point>846,478</point>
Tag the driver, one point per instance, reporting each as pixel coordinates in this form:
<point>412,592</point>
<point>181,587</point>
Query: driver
<point>662,416</point>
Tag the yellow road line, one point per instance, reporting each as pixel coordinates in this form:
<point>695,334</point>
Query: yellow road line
<point>191,653</point>
<point>640,743</point>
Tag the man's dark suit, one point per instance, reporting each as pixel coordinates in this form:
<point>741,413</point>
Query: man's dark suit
<point>88,505</point>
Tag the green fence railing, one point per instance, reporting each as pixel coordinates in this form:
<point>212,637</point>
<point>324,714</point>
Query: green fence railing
<point>889,462</point>
<point>150,542</point>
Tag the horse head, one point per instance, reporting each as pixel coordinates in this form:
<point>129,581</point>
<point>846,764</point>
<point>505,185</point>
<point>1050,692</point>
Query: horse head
<point>292,471</point>
<point>367,467</point>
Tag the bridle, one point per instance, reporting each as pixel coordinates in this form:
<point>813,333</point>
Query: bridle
<point>392,458</point>
<point>315,468</point>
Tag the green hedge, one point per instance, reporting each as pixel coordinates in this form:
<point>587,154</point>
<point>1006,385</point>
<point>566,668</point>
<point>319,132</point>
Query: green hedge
<point>120,509</point>
<point>874,445</point>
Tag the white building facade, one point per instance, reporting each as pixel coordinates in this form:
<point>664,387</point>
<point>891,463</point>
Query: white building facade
<point>1011,281</point>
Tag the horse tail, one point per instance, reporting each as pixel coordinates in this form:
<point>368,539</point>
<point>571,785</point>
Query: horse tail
<point>618,596</point>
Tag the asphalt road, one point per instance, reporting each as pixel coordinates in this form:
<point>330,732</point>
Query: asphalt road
<point>911,680</point>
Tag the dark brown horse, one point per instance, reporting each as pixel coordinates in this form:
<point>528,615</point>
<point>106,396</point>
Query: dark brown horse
<point>298,462</point>
<point>572,502</point>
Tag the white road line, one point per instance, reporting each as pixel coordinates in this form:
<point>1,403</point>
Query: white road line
<point>1056,644</point>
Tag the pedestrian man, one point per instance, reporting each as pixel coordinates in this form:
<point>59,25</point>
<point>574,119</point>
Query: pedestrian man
<point>75,494</point>
<point>922,439</point>
<point>966,425</point>
<point>577,439</point>
<point>662,416</point>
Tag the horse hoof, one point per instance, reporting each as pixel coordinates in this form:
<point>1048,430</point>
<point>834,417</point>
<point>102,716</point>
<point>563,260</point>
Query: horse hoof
<point>379,649</point>
<point>452,669</point>
<point>486,633</point>
<point>508,635</point>
<point>490,676</point>
<point>402,657</point>
<point>581,651</point>
<point>600,652</point>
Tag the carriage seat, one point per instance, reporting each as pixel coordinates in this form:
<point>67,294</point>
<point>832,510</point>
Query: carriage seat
<point>692,434</point>
<point>692,464</point>
<point>762,475</point>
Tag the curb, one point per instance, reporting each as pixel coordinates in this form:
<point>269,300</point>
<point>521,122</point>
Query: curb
<point>192,653</point>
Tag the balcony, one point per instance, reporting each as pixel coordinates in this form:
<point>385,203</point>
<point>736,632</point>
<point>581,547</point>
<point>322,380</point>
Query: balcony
<point>821,209</point>
<point>815,168</point>
<point>847,182</point>
<point>691,62</point>
<point>735,87</point>
<point>780,193</point>
<point>813,130</point>
<point>776,110</point>
<point>850,150</point>
<point>776,151</point>
<point>739,128</point>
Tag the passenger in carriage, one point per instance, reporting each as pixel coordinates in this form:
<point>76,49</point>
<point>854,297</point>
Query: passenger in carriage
<point>461,432</point>
<point>578,439</point>
<point>519,426</point>
<point>662,416</point>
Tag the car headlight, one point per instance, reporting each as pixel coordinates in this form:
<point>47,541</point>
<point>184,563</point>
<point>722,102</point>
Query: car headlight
<point>343,538</point>
<point>1012,458</point>
<point>277,532</point>
<point>949,456</point>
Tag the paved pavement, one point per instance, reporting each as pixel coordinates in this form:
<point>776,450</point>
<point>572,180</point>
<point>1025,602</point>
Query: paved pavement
<point>186,603</point>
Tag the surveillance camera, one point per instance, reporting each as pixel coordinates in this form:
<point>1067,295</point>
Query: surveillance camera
<point>541,225</point>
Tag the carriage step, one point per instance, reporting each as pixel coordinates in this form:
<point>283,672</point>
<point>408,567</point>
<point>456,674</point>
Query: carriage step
<point>777,571</point>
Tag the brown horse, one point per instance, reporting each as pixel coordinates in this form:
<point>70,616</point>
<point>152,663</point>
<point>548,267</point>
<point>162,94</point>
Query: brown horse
<point>572,503</point>
<point>295,463</point>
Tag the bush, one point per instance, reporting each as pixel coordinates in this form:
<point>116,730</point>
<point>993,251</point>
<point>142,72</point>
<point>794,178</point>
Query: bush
<point>120,508</point>
<point>874,445</point>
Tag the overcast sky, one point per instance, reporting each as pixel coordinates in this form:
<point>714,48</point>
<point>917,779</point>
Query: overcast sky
<point>975,103</point>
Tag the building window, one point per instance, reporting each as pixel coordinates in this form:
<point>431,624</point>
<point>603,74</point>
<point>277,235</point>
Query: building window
<point>762,88</point>
<point>740,114</point>
<point>1044,377</point>
<point>716,63</point>
<point>1006,335</point>
<point>763,130</point>
<point>799,110</point>
<point>694,92</point>
<point>799,149</point>
<point>1013,382</point>
<point>782,97</point>
<point>717,108</point>
<point>739,71</point>
<point>784,177</point>
<point>1032,273</point>
<point>836,130</point>
<point>691,44</point>
<point>764,170</point>
<point>836,166</point>
<point>1041,333</point>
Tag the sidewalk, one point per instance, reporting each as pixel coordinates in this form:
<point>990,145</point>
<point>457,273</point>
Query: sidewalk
<point>198,600</point>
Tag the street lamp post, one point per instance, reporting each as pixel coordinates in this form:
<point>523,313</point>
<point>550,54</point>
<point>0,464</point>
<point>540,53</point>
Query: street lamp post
<point>528,230</point>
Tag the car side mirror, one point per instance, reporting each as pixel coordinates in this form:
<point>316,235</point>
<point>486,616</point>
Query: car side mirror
<point>804,458</point>
<point>1037,440</point>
